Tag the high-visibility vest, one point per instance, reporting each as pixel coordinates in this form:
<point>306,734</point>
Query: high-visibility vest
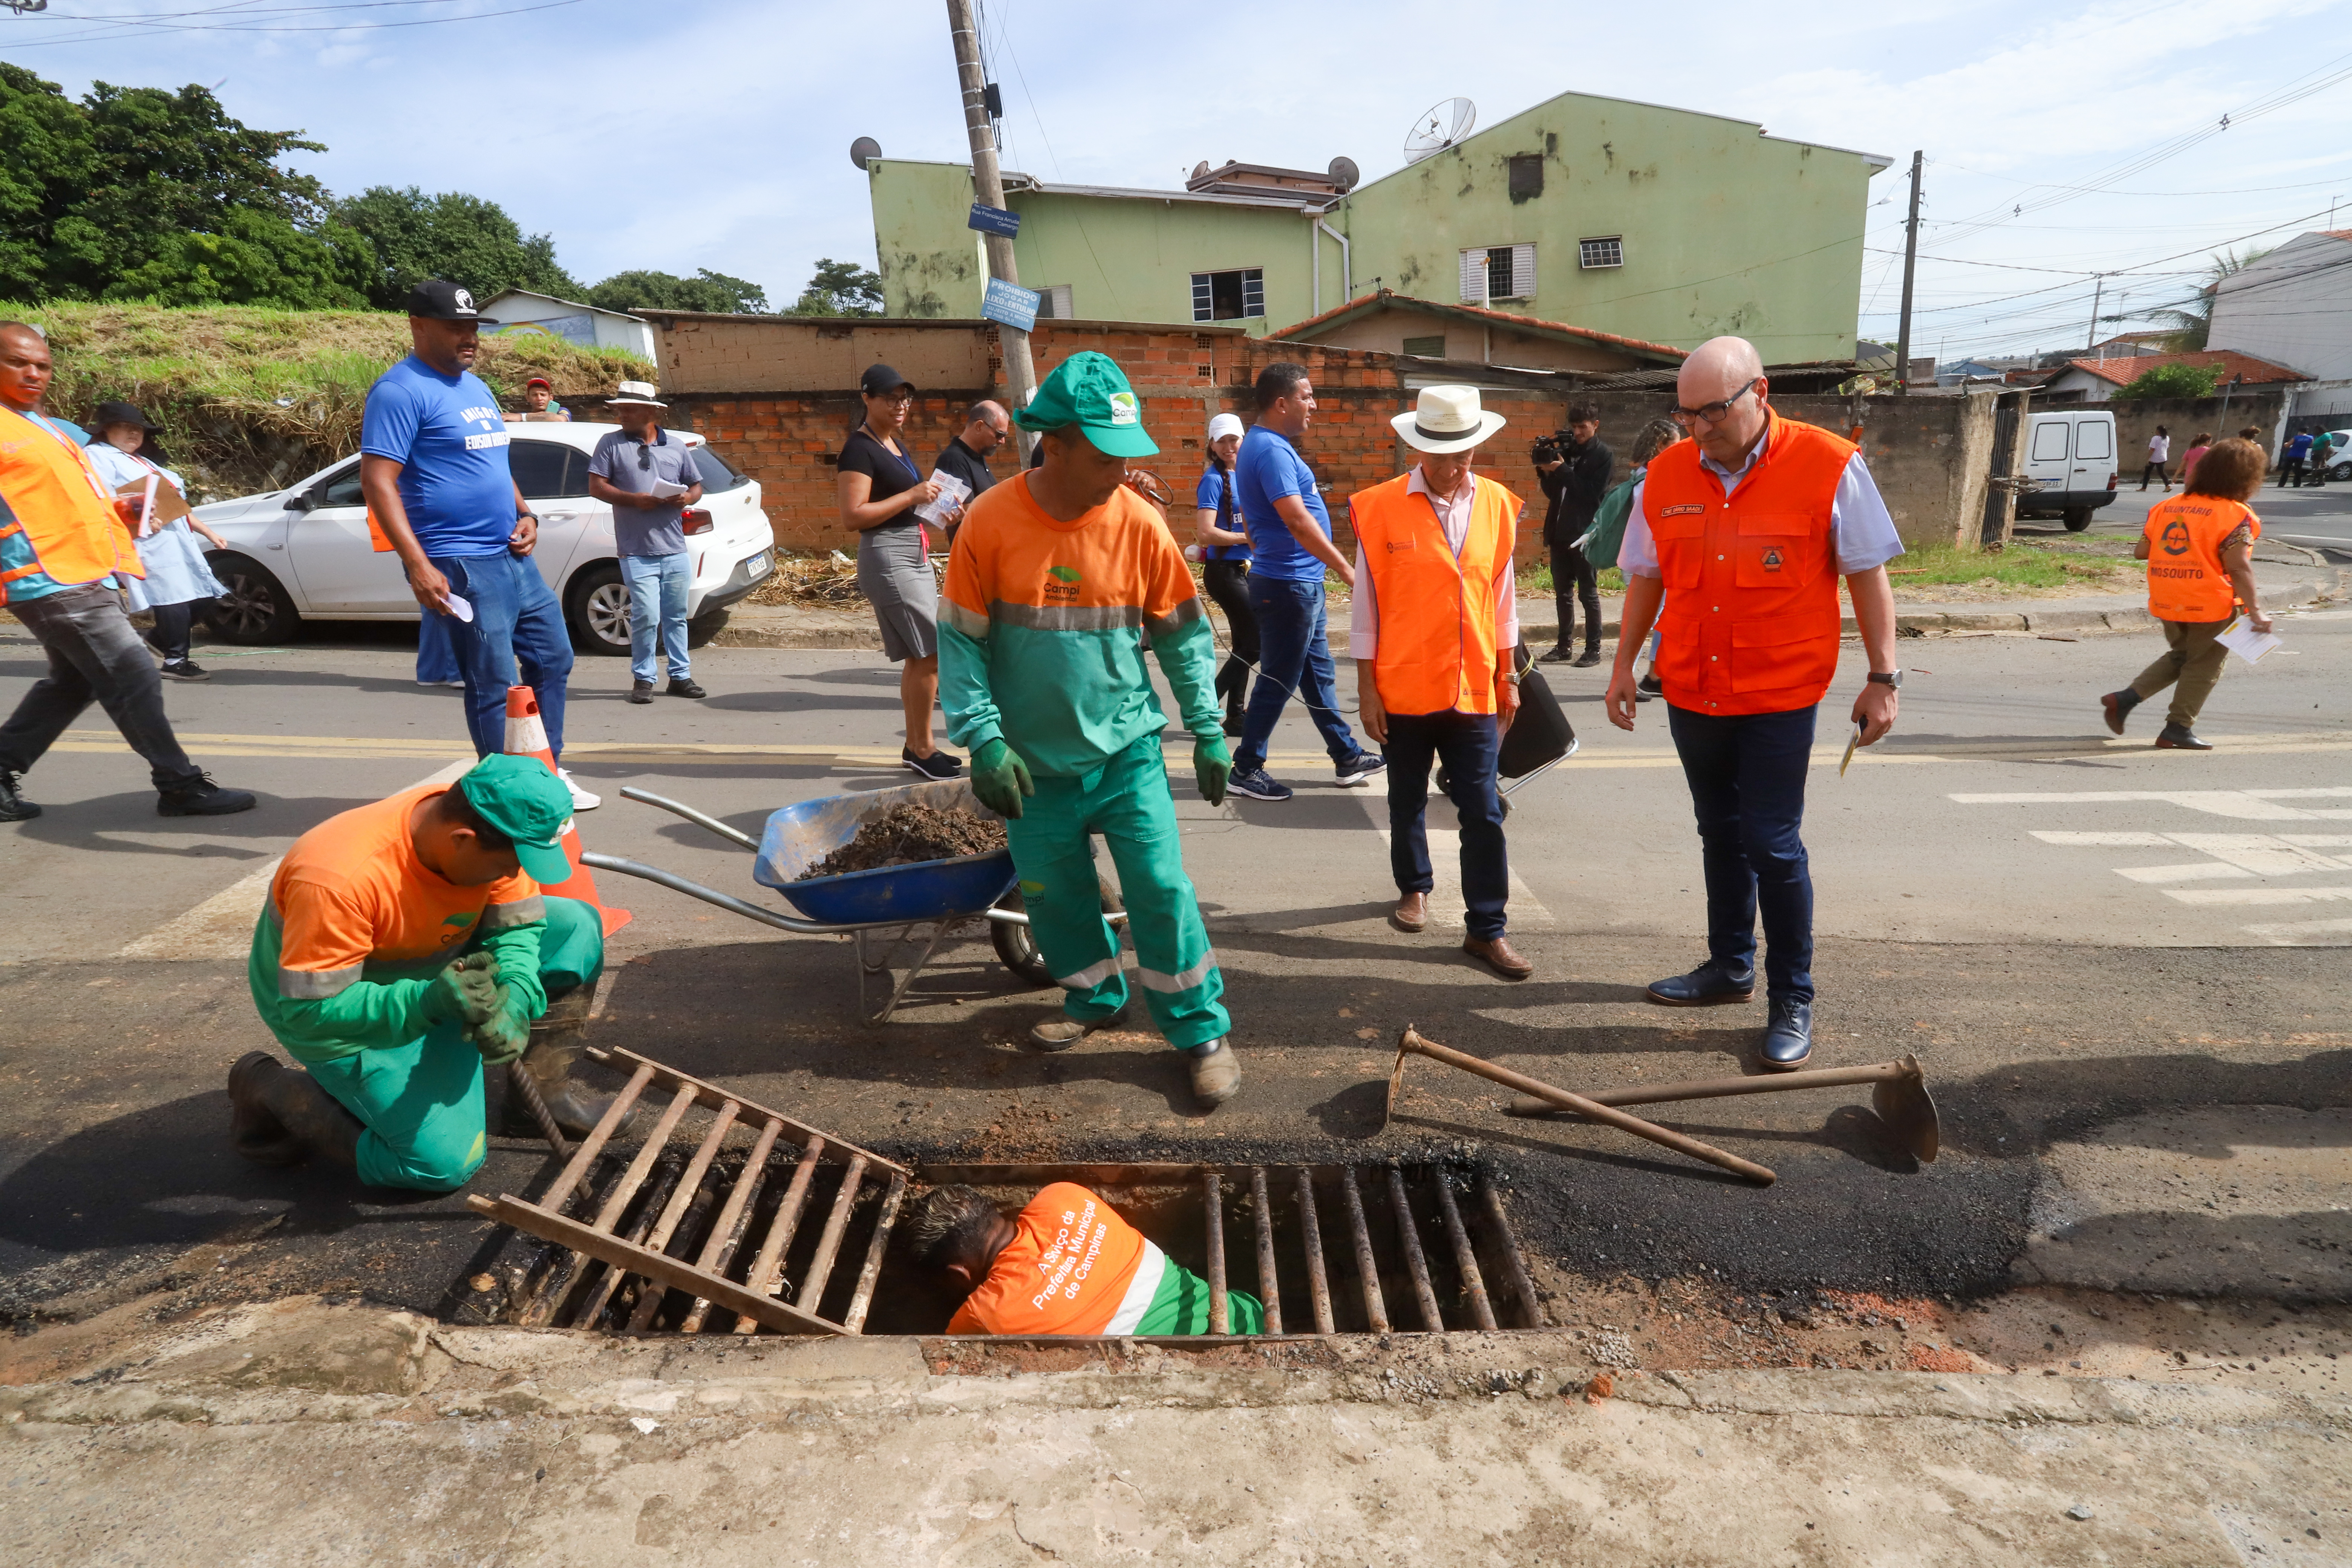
<point>1070,1269</point>
<point>1437,649</point>
<point>2186,581</point>
<point>64,512</point>
<point>1751,623</point>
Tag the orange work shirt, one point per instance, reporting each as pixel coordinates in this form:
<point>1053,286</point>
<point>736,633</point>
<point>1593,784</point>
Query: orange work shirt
<point>1069,1269</point>
<point>2186,579</point>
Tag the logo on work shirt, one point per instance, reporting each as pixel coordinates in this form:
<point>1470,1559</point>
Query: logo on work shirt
<point>458,920</point>
<point>1687,509</point>
<point>1772,558</point>
<point>1396,544</point>
<point>2176,538</point>
<point>1064,586</point>
<point>1123,410</point>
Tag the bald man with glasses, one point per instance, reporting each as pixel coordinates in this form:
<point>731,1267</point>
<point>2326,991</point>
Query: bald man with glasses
<point>1739,536</point>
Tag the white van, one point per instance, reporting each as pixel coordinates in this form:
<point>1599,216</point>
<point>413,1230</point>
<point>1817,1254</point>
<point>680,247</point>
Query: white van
<point>2069,456</point>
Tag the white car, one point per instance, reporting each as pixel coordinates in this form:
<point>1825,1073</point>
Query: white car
<point>304,553</point>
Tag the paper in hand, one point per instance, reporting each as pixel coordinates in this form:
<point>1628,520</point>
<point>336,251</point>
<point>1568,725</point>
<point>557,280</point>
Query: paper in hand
<point>2248,644</point>
<point>952,491</point>
<point>1847,761</point>
<point>459,608</point>
<point>666,488</point>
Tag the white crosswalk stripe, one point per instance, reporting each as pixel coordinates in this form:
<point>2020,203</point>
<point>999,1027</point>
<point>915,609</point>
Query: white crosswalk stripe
<point>1527,911</point>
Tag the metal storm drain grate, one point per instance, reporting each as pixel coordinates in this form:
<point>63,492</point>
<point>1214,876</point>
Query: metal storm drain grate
<point>698,1234</point>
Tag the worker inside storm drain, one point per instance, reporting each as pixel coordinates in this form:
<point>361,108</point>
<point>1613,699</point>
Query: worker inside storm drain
<point>1067,1264</point>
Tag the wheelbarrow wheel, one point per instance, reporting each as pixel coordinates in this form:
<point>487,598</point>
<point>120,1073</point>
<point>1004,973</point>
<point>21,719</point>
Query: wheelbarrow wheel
<point>1017,950</point>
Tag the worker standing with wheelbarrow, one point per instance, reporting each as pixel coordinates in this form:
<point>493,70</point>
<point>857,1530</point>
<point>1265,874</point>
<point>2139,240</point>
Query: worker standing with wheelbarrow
<point>1058,580</point>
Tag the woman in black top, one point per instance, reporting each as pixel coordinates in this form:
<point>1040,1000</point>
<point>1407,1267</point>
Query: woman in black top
<point>880,487</point>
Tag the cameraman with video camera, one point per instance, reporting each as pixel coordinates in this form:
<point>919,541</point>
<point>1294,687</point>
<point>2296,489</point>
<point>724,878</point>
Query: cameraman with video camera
<point>1573,465</point>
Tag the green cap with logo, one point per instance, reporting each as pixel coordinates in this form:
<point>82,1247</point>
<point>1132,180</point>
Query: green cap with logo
<point>523,798</point>
<point>1087,390</point>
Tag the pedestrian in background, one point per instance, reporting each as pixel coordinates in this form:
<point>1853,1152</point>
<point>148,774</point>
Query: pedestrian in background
<point>2323,453</point>
<point>1575,481</point>
<point>2199,547</point>
<point>178,577</point>
<point>2160,449</point>
<point>538,403</point>
<point>1290,532</point>
<point>648,478</point>
<point>1434,629</point>
<point>2291,461</point>
<point>1225,563</point>
<point>64,538</point>
<point>879,488</point>
<point>1602,541</point>
<point>986,427</point>
<point>433,467</point>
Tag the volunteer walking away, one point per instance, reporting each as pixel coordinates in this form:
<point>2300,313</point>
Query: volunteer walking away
<point>1224,550</point>
<point>2200,549</point>
<point>178,578</point>
<point>1434,630</point>
<point>1059,581</point>
<point>647,476</point>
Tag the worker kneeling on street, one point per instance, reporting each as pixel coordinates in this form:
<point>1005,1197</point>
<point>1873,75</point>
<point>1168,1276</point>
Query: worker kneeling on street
<point>403,945</point>
<point>1065,1265</point>
<point>1058,580</point>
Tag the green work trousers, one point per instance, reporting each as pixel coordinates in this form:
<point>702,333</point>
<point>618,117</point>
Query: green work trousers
<point>422,1101</point>
<point>1127,802</point>
<point>2191,664</point>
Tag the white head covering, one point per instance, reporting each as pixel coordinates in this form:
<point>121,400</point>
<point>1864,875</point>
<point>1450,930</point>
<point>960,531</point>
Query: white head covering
<point>1222,425</point>
<point>1447,419</point>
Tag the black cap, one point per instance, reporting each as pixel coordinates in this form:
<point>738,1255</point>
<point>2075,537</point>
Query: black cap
<point>111,414</point>
<point>879,379</point>
<point>437,299</point>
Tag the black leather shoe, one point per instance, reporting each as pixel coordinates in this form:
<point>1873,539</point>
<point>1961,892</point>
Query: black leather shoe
<point>202,797</point>
<point>15,808</point>
<point>2180,738</point>
<point>1789,1038</point>
<point>641,692</point>
<point>1711,985</point>
<point>679,685</point>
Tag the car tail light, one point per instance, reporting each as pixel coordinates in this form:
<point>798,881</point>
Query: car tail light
<point>697,520</point>
<point>2111,481</point>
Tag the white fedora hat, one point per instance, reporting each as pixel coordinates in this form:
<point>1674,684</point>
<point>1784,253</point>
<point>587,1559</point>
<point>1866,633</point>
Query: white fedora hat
<point>643,393</point>
<point>1447,419</point>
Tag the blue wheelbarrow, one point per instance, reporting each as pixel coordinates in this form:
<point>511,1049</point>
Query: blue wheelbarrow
<point>895,906</point>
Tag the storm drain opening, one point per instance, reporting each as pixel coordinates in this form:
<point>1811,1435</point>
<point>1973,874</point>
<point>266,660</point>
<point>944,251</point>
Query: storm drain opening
<point>747,1219</point>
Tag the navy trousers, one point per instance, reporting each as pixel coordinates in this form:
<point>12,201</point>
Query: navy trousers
<point>1466,743</point>
<point>1746,774</point>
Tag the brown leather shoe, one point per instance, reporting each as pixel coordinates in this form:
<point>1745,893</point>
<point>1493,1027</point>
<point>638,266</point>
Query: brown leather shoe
<point>1412,912</point>
<point>1495,953</point>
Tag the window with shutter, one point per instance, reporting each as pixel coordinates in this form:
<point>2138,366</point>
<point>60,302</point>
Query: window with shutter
<point>1473,277</point>
<point>1426,348</point>
<point>1523,272</point>
<point>1054,301</point>
<point>1498,273</point>
<point>1231,296</point>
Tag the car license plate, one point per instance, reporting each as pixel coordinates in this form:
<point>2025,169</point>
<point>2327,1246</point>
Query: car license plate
<point>759,565</point>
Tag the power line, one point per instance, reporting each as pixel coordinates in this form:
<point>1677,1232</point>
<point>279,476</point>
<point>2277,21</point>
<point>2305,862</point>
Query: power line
<point>239,20</point>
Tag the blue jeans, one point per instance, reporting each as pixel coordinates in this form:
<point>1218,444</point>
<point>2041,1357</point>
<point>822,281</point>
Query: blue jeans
<point>516,637</point>
<point>1746,773</point>
<point>1293,654</point>
<point>437,660</point>
<point>658,586</point>
<point>1466,743</point>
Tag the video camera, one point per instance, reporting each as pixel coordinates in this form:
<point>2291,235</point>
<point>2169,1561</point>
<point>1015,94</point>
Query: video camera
<point>1551,448</point>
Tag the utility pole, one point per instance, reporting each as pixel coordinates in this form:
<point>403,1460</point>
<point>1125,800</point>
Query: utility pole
<point>987,184</point>
<point>2098,292</point>
<point>1910,265</point>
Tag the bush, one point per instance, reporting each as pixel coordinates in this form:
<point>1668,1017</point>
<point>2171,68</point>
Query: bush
<point>2173,381</point>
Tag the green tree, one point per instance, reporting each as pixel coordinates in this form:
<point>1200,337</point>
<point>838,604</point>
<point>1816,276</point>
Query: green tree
<point>840,289</point>
<point>2173,381</point>
<point>463,239</point>
<point>258,259</point>
<point>2190,322</point>
<point>714,292</point>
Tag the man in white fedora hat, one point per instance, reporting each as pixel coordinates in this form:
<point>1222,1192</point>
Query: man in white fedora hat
<point>1434,627</point>
<point>648,477</point>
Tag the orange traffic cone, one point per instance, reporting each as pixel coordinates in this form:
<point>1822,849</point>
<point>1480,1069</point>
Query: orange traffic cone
<point>527,737</point>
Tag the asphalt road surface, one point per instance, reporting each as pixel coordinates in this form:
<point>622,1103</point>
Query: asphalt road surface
<point>2075,932</point>
<point>2316,516</point>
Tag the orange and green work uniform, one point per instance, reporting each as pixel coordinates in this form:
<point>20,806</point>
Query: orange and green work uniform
<point>1073,1266</point>
<point>355,929</point>
<point>1043,627</point>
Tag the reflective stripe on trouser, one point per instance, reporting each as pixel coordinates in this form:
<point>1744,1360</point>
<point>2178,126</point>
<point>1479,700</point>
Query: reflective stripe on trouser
<point>1127,802</point>
<point>422,1101</point>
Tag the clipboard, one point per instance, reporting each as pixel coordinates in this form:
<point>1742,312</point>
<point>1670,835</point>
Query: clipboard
<point>1852,741</point>
<point>169,505</point>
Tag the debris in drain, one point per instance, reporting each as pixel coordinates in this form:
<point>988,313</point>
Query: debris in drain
<point>908,834</point>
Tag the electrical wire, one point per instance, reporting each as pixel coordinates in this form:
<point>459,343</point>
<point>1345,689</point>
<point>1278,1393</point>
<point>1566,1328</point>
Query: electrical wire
<point>240,19</point>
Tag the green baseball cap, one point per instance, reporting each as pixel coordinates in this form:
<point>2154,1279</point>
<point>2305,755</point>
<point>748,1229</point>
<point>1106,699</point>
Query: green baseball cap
<point>1087,390</point>
<point>523,798</point>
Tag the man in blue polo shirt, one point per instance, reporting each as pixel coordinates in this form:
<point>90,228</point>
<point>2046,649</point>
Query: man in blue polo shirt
<point>1291,551</point>
<point>433,465</point>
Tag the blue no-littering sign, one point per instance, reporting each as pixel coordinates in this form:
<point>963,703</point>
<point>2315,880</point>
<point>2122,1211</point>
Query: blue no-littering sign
<point>994,220</point>
<point>1010,305</point>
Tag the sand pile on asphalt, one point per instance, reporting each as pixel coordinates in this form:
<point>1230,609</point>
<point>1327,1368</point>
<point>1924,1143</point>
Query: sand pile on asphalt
<point>910,835</point>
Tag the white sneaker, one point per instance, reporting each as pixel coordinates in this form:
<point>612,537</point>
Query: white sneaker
<point>581,799</point>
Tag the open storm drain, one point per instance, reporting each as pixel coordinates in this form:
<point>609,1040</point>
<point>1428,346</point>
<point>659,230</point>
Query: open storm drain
<point>750,1220</point>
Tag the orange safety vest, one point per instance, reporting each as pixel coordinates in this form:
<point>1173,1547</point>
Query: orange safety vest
<point>1751,623</point>
<point>2186,581</point>
<point>1066,1271</point>
<point>1436,648</point>
<point>65,511</point>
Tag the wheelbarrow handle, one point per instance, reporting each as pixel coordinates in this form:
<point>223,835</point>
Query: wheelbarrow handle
<point>694,889</point>
<point>680,809</point>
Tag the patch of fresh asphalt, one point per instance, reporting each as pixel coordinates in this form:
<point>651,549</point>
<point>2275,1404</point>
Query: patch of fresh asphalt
<point>2050,998</point>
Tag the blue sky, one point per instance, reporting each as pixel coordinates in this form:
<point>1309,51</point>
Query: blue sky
<point>715,133</point>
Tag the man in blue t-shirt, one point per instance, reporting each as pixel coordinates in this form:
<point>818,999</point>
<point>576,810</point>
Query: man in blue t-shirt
<point>1291,551</point>
<point>433,465</point>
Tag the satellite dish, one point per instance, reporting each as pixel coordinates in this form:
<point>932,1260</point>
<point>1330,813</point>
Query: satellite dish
<point>1201,170</point>
<point>1445,124</point>
<point>1344,173</point>
<point>863,150</point>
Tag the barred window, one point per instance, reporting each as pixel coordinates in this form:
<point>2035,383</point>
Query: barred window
<point>1606,252</point>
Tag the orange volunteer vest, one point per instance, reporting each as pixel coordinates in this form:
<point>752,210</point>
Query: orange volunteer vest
<point>1066,1271</point>
<point>2184,578</point>
<point>65,511</point>
<point>1751,621</point>
<point>1437,613</point>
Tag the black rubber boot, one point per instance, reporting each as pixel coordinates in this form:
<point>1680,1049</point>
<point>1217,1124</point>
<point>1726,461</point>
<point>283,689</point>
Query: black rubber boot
<point>253,1131</point>
<point>311,1116</point>
<point>555,1047</point>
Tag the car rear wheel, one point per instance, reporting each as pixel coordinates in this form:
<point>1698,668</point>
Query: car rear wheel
<point>2078,518</point>
<point>598,607</point>
<point>256,610</point>
<point>2340,471</point>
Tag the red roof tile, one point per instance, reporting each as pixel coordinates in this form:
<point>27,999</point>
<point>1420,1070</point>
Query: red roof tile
<point>1476,314</point>
<point>2124,369</point>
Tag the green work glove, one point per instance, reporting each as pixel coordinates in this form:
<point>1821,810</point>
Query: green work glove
<point>1213,765</point>
<point>1000,778</point>
<point>503,1036</point>
<point>467,992</point>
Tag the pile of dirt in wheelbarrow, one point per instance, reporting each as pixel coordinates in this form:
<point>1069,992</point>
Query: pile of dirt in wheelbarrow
<point>908,834</point>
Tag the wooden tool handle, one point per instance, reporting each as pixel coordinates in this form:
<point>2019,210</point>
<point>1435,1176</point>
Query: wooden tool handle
<point>1583,1106</point>
<point>1729,1088</point>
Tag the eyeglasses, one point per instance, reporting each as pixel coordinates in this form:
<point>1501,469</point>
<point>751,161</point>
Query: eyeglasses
<point>1711,413</point>
<point>897,399</point>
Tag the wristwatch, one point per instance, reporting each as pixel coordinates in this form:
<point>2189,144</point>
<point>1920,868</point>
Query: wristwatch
<point>1886,678</point>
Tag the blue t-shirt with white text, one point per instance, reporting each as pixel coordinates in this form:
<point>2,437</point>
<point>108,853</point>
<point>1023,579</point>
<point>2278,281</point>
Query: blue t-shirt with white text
<point>1215,494</point>
<point>1268,469</point>
<point>447,434</point>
